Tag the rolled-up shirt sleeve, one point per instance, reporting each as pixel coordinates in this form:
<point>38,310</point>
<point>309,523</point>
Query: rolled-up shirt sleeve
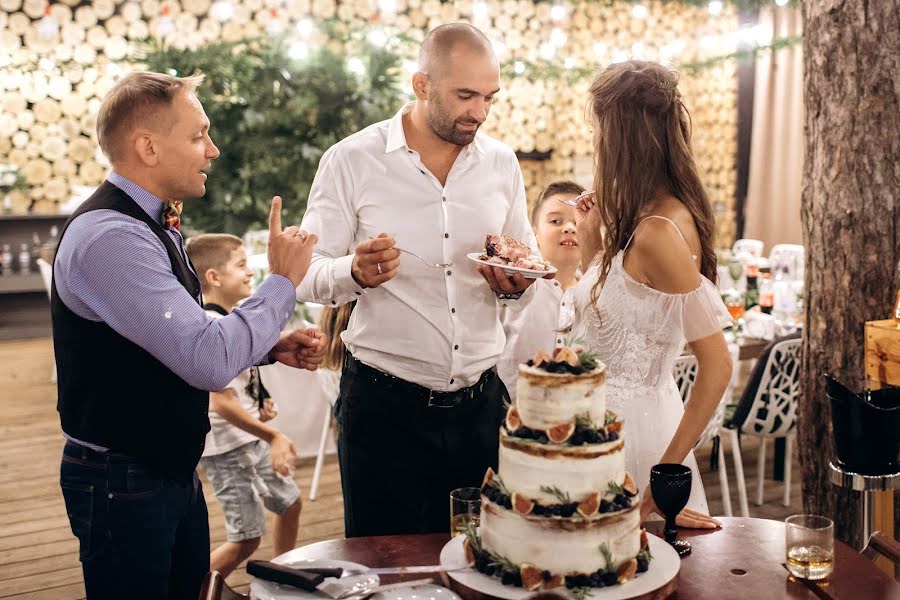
<point>331,216</point>
<point>119,272</point>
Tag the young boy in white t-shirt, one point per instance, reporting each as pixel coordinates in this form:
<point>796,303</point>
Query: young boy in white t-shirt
<point>538,325</point>
<point>247,462</point>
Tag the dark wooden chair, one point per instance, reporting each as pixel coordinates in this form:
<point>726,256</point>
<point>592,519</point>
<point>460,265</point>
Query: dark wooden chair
<point>881,544</point>
<point>215,588</point>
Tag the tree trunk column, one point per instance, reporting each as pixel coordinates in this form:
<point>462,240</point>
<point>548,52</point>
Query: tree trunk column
<point>850,215</point>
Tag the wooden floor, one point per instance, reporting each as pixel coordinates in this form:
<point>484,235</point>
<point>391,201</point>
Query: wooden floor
<point>39,554</point>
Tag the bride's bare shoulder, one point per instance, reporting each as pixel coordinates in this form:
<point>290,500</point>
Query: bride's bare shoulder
<point>662,254</point>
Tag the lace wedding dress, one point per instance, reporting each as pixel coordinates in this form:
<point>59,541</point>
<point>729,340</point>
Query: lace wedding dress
<point>638,332</point>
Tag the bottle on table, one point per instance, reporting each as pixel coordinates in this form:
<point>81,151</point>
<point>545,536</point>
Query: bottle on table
<point>24,259</point>
<point>766,294</point>
<point>6,260</point>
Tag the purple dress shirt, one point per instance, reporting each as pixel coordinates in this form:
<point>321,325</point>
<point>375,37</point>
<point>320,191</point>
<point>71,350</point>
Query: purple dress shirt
<point>111,268</point>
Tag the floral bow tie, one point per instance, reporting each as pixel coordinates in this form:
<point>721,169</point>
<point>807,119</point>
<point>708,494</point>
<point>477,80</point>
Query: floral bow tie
<point>171,216</point>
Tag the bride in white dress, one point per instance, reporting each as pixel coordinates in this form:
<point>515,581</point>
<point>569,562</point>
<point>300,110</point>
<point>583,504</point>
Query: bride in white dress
<point>646,288</point>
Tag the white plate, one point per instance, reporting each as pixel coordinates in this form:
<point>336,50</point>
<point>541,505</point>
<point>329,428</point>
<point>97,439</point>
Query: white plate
<point>420,592</point>
<point>663,568</point>
<point>267,590</point>
<point>527,273</point>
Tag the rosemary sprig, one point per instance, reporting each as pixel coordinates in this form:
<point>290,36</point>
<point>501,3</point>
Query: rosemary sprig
<point>581,593</point>
<point>563,497</point>
<point>610,417</point>
<point>645,554</point>
<point>503,563</point>
<point>614,489</point>
<point>498,483</point>
<point>471,532</point>
<point>585,422</point>
<point>607,556</point>
<point>588,359</point>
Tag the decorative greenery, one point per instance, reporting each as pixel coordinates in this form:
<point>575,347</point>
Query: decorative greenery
<point>11,178</point>
<point>563,497</point>
<point>610,417</point>
<point>273,117</point>
<point>607,556</point>
<point>496,482</point>
<point>501,562</point>
<point>554,70</point>
<point>580,593</point>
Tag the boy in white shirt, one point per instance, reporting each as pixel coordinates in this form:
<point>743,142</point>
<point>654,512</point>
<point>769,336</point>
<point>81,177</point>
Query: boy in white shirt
<point>537,326</point>
<point>247,461</point>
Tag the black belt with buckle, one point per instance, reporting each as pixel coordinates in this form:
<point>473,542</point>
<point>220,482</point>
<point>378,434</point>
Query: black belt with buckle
<point>432,398</point>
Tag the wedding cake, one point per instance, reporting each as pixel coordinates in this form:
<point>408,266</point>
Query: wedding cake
<point>561,511</point>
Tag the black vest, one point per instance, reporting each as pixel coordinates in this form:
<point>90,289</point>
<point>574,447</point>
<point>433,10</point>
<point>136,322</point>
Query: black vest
<point>115,394</point>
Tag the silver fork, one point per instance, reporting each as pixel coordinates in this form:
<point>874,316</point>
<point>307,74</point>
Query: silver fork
<point>430,264</point>
<point>574,201</point>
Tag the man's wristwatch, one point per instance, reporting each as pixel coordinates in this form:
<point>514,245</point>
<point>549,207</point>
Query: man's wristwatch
<point>512,296</point>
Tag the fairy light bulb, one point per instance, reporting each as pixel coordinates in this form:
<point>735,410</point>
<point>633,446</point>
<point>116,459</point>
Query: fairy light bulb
<point>47,27</point>
<point>222,11</point>
<point>715,8</point>
<point>165,26</point>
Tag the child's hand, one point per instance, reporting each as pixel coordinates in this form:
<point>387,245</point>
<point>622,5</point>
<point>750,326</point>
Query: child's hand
<point>283,454</point>
<point>268,410</point>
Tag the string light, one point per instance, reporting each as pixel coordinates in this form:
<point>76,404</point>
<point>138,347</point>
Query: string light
<point>619,56</point>
<point>558,37</point>
<point>47,27</point>
<point>715,7</point>
<point>480,10</point>
<point>519,67</point>
<point>47,65</point>
<point>639,11</point>
<point>222,11</point>
<point>781,2</point>
<point>410,66</point>
<point>305,26</point>
<point>377,37</point>
<point>298,51</point>
<point>387,6</point>
<point>165,26</point>
<point>569,62</point>
<point>499,48</point>
<point>274,26</point>
<point>600,48</point>
<point>547,51</point>
<point>558,12</point>
<point>357,66</point>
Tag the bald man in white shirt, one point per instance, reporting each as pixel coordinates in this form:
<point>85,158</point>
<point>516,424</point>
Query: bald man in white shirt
<point>421,402</point>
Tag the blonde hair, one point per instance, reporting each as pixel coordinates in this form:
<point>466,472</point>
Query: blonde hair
<point>211,251</point>
<point>645,145</point>
<point>138,100</point>
<point>333,322</point>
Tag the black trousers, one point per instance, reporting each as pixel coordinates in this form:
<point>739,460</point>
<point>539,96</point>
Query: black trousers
<point>140,537</point>
<point>400,458</point>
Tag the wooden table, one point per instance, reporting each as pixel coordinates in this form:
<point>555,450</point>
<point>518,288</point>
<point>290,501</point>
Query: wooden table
<point>742,560</point>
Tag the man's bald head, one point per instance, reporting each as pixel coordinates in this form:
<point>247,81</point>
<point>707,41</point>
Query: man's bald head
<point>441,42</point>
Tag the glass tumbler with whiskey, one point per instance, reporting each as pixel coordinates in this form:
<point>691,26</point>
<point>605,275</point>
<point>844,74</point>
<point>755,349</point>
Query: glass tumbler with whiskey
<point>809,540</point>
<point>465,509</point>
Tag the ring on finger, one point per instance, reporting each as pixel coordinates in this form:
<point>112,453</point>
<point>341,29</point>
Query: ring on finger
<point>301,235</point>
<point>380,272</point>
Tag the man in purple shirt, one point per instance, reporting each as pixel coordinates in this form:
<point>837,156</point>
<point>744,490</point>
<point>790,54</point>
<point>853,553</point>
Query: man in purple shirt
<point>137,354</point>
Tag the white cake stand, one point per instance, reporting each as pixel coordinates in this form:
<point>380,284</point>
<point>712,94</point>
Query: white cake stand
<point>663,570</point>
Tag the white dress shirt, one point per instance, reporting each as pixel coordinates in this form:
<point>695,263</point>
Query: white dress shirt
<point>537,327</point>
<point>439,328</point>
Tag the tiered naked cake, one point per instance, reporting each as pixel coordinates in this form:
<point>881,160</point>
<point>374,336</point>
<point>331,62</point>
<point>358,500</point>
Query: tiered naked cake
<point>562,511</point>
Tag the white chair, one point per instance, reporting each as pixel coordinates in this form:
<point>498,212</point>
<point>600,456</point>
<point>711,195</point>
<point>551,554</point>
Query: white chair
<point>685,373</point>
<point>788,257</point>
<point>47,276</point>
<point>747,246</point>
<point>768,409</point>
<point>331,385</point>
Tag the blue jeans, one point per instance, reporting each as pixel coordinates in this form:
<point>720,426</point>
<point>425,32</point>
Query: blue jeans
<point>140,536</point>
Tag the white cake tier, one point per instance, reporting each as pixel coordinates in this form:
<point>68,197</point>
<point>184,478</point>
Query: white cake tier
<point>561,546</point>
<point>525,466</point>
<point>545,400</point>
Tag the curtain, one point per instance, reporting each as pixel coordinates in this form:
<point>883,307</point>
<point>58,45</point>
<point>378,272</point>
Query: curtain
<point>772,211</point>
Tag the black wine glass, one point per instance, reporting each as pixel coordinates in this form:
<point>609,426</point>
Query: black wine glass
<point>670,485</point>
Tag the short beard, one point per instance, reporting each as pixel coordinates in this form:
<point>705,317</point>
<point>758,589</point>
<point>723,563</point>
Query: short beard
<point>444,126</point>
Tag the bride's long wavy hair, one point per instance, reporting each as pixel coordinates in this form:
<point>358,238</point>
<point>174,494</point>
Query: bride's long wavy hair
<point>644,146</point>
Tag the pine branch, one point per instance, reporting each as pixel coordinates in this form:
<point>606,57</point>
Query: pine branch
<point>607,556</point>
<point>581,593</point>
